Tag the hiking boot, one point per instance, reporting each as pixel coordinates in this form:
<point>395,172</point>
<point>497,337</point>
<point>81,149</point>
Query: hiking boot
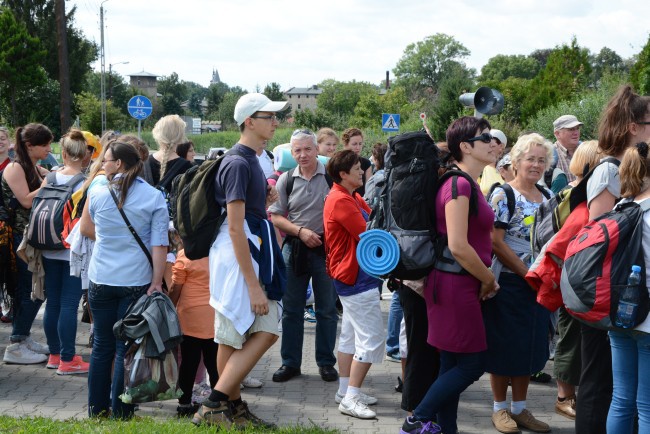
<point>53,361</point>
<point>18,353</point>
<point>527,420</point>
<point>36,347</point>
<point>541,377</point>
<point>354,407</point>
<point>73,367</point>
<point>412,426</point>
<point>503,422</point>
<point>566,408</point>
<point>366,399</point>
<point>252,383</point>
<point>214,414</point>
<point>242,417</point>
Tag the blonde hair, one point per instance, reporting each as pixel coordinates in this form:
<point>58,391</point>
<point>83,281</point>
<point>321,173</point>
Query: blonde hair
<point>324,133</point>
<point>74,144</point>
<point>168,132</point>
<point>525,143</point>
<point>586,155</point>
<point>633,170</point>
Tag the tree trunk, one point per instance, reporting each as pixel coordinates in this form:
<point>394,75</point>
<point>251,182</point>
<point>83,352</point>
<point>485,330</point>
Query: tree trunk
<point>64,67</point>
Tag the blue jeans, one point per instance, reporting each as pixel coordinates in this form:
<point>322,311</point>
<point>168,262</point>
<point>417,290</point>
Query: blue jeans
<point>60,319</point>
<point>630,366</point>
<point>26,308</point>
<point>293,320</point>
<point>457,372</point>
<point>108,304</point>
<point>395,315</point>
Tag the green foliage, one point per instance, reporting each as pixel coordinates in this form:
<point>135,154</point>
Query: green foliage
<point>515,92</point>
<point>173,94</point>
<point>640,72</point>
<point>541,56</point>
<point>425,63</point>
<point>274,93</point>
<point>367,113</point>
<point>606,61</point>
<point>502,67</point>
<point>319,118</point>
<point>90,112</point>
<point>20,58</point>
<point>341,97</point>
<point>227,108</point>
<point>215,95</point>
<point>117,90</point>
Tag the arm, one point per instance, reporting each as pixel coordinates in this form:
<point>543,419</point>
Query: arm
<point>15,176</point>
<point>601,204</point>
<point>175,293</point>
<point>86,224</point>
<point>505,253</point>
<point>236,211</point>
<point>159,256</point>
<point>347,214</point>
<point>368,173</point>
<point>456,212</point>
<point>307,236</point>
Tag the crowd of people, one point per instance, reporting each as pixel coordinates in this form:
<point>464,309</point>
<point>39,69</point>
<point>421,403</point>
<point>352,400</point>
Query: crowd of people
<point>287,233</point>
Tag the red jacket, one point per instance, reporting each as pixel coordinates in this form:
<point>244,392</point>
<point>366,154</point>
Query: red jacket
<point>343,223</point>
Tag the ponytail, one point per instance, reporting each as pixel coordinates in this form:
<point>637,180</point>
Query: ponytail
<point>634,170</point>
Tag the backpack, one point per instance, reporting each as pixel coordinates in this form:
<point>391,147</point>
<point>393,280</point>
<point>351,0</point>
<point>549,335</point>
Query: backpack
<point>198,216</point>
<point>406,205</point>
<point>291,180</point>
<point>551,215</point>
<point>166,188</point>
<point>46,218</point>
<point>598,262</point>
<point>72,213</point>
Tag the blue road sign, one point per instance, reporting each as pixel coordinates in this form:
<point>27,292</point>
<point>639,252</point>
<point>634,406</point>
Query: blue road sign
<point>139,107</point>
<point>389,122</point>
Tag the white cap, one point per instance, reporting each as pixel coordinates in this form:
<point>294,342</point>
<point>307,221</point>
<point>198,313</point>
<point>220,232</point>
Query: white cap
<point>256,102</point>
<point>499,135</point>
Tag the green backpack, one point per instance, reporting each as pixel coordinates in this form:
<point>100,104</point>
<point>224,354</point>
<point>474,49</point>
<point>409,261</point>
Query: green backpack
<point>198,216</point>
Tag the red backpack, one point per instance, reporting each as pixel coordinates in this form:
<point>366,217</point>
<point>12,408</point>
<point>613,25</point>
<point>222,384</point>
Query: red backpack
<point>598,262</point>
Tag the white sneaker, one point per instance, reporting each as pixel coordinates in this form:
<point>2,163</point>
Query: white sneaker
<point>20,354</point>
<point>36,347</point>
<point>355,408</point>
<point>252,383</point>
<point>366,399</point>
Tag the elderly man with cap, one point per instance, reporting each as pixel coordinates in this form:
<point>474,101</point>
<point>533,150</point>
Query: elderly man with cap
<point>247,274</point>
<point>490,175</point>
<point>566,129</point>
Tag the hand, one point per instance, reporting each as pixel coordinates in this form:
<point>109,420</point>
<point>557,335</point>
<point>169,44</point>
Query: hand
<point>155,287</point>
<point>271,195</point>
<point>488,290</point>
<point>259,302</point>
<point>310,238</point>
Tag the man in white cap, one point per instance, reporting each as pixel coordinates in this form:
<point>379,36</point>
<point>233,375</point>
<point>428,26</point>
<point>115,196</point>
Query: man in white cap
<point>490,175</point>
<point>566,129</point>
<point>247,274</point>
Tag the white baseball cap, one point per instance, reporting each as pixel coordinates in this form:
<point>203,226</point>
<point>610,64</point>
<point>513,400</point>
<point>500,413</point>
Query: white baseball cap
<point>256,102</point>
<point>499,135</point>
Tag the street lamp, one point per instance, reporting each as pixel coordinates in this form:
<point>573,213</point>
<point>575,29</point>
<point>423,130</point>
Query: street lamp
<point>110,78</point>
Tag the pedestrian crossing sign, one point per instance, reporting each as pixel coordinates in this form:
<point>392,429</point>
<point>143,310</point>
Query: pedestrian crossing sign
<point>389,122</point>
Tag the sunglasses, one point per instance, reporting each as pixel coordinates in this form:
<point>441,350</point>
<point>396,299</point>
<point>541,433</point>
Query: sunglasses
<point>307,132</point>
<point>485,138</point>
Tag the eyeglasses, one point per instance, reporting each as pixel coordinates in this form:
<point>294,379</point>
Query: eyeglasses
<point>307,132</point>
<point>105,160</point>
<point>643,123</point>
<point>273,118</point>
<point>485,138</point>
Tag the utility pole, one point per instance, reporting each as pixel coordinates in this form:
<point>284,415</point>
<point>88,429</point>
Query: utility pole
<point>64,67</point>
<point>103,66</point>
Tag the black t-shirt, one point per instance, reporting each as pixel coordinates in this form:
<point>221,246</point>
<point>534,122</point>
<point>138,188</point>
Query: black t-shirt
<point>174,168</point>
<point>365,164</point>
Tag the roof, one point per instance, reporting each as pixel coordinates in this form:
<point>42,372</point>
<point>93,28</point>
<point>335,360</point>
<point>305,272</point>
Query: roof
<point>313,90</point>
<point>143,73</point>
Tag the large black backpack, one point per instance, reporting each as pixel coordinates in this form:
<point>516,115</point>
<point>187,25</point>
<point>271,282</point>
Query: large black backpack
<point>406,205</point>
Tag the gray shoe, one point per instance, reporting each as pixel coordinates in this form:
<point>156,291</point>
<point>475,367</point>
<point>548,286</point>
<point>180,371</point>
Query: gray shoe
<point>36,347</point>
<point>20,354</point>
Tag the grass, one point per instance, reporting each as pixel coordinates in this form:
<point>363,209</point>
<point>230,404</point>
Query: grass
<point>146,425</point>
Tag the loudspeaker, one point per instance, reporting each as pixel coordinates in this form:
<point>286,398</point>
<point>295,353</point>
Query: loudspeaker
<point>485,101</point>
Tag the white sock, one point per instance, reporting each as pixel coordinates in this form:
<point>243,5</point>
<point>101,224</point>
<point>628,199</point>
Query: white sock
<point>500,405</point>
<point>516,407</point>
<point>352,392</point>
<point>343,385</point>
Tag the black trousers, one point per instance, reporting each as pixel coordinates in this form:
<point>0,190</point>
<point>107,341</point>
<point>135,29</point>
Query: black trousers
<point>191,350</point>
<point>596,384</point>
<point>423,361</point>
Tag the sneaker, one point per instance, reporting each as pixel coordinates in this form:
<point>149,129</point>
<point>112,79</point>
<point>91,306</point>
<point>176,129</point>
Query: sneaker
<point>252,383</point>
<point>366,399</point>
<point>356,408</point>
<point>412,426</point>
<point>400,385</point>
<point>503,422</point>
<point>393,357</point>
<point>7,317</point>
<point>214,414</point>
<point>242,416</point>
<point>19,353</point>
<point>541,377</point>
<point>527,420</point>
<point>53,361</point>
<point>36,347</point>
<point>73,367</point>
<point>566,408</point>
<point>310,315</point>
<point>186,410</point>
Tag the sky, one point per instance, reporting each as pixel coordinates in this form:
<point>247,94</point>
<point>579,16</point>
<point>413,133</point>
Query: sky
<point>301,43</point>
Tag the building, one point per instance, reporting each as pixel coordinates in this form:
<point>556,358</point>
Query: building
<point>301,98</point>
<point>146,83</point>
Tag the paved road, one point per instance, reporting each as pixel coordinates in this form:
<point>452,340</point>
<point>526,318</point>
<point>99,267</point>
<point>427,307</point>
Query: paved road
<point>37,391</point>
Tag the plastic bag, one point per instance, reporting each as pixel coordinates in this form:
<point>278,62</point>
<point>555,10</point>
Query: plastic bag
<point>148,379</point>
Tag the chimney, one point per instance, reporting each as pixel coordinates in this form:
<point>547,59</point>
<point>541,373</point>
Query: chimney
<point>387,80</point>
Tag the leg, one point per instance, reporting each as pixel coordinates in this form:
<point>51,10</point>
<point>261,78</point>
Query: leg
<point>567,355</point>
<point>520,387</point>
<point>190,358</point>
<point>70,297</point>
<point>625,370</point>
<point>54,287</point>
<point>358,373</point>
<point>26,308</point>
<point>326,315</point>
<point>210,349</point>
<point>394,319</point>
<point>643,389</point>
<point>499,385</point>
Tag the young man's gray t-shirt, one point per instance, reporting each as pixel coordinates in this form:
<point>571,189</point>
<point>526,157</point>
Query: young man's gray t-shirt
<point>242,178</point>
<point>605,177</point>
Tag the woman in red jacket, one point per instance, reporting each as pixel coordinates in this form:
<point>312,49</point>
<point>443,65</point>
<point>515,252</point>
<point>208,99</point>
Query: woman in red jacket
<point>361,342</point>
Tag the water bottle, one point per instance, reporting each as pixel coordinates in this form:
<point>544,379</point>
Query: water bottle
<point>629,300</point>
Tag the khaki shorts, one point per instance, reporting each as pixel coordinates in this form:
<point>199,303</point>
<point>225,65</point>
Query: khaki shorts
<point>226,334</point>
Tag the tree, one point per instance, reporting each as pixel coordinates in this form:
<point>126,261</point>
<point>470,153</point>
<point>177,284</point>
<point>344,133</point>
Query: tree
<point>20,59</point>
<point>606,61</point>
<point>274,93</point>
<point>341,97</point>
<point>541,56</point>
<point>173,94</point>
<point>118,91</point>
<point>423,63</point>
<point>501,67</point>
<point>215,95</point>
<point>368,111</point>
<point>90,108</point>
<point>446,106</point>
<point>227,108</point>
<point>640,72</point>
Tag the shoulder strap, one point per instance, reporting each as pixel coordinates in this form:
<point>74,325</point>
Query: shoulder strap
<point>510,197</point>
<point>51,178</point>
<point>169,176</point>
<point>290,182</point>
<point>131,229</point>
<point>270,154</point>
<point>454,173</point>
<point>645,205</point>
<point>544,191</point>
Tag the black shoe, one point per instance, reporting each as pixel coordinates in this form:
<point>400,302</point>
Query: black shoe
<point>328,373</point>
<point>541,377</point>
<point>285,373</point>
<point>400,385</point>
<point>187,410</point>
